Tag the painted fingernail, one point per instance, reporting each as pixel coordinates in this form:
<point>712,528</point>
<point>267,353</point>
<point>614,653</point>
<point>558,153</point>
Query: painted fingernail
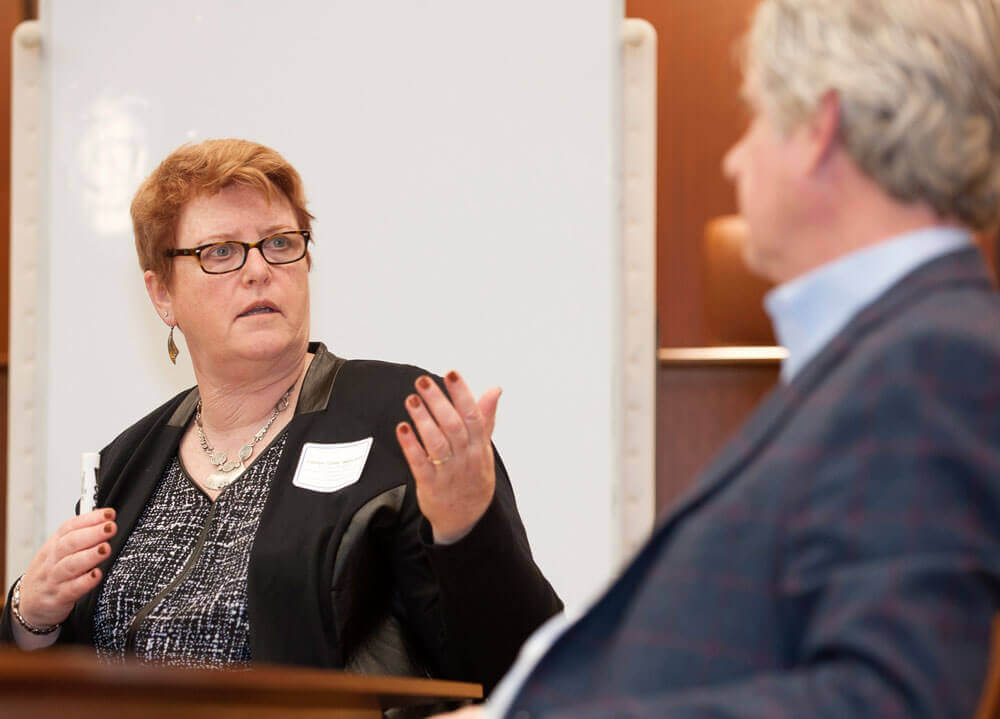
<point>452,376</point>
<point>94,573</point>
<point>424,383</point>
<point>109,514</point>
<point>102,549</point>
<point>413,401</point>
<point>109,528</point>
<point>403,428</point>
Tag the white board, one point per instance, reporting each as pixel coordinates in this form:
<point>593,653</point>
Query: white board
<point>463,161</point>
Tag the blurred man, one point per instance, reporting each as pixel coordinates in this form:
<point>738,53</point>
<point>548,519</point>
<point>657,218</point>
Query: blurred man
<point>841,558</point>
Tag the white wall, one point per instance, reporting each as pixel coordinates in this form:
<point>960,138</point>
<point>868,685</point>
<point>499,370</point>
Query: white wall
<point>462,160</point>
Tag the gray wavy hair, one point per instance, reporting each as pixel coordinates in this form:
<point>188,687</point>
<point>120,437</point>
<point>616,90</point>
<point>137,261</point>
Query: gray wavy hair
<point>919,89</point>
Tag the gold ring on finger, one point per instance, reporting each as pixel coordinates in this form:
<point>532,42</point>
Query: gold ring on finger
<point>439,462</point>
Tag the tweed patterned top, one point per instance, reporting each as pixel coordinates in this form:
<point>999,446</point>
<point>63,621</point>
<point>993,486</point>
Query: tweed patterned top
<point>177,593</point>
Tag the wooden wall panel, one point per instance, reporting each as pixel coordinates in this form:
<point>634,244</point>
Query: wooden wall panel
<point>3,477</point>
<point>697,409</point>
<point>700,117</point>
<point>12,12</point>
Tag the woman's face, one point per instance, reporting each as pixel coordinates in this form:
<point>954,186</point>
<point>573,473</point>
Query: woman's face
<point>257,313</point>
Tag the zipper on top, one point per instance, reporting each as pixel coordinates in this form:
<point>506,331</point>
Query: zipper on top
<point>148,607</point>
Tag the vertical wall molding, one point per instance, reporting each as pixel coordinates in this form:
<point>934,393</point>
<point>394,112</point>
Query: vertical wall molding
<point>637,501</point>
<point>25,486</point>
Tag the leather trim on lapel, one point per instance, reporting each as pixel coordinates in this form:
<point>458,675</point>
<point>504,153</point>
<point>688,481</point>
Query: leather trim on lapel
<point>359,589</point>
<point>963,267</point>
<point>182,415</point>
<point>392,499</point>
<point>317,385</point>
<point>314,396</point>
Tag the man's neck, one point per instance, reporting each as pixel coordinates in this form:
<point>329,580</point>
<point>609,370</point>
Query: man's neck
<point>858,219</point>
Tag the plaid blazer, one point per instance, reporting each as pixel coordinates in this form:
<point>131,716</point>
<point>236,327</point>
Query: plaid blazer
<point>841,558</point>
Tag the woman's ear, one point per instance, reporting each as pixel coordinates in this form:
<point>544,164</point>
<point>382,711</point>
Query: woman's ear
<point>159,295</point>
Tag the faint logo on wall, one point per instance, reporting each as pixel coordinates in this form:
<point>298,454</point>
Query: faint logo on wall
<point>112,159</point>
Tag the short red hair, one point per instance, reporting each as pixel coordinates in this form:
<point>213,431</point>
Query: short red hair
<point>205,169</point>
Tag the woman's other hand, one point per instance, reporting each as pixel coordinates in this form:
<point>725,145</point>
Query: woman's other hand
<point>454,469</point>
<point>473,711</point>
<point>65,568</point>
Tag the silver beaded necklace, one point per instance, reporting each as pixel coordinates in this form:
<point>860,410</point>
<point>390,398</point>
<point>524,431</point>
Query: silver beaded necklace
<point>232,469</point>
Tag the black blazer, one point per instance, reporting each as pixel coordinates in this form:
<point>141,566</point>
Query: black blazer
<point>351,578</point>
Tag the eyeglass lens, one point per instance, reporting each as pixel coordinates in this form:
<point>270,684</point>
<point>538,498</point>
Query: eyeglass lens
<point>277,250</point>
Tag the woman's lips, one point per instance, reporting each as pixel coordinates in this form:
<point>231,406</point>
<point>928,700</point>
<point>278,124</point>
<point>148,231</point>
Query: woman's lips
<point>258,311</point>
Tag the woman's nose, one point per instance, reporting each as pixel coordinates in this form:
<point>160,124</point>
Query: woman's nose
<point>256,268</point>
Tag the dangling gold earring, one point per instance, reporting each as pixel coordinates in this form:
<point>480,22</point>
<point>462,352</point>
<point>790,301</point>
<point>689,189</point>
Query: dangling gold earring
<point>172,347</point>
<point>172,350</point>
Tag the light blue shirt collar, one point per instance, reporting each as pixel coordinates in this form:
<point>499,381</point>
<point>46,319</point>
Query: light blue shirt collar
<point>810,310</point>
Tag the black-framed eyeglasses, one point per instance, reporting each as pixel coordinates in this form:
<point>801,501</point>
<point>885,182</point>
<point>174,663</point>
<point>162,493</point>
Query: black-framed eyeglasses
<point>218,258</point>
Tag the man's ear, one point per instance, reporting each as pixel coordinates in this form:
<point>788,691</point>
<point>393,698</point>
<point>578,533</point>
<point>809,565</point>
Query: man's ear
<point>822,131</point>
<point>159,295</point>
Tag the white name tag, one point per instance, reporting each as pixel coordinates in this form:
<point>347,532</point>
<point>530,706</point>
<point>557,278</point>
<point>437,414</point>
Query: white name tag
<point>329,467</point>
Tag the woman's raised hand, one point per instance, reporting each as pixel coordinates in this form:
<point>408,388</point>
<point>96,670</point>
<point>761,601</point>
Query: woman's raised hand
<point>454,468</point>
<point>65,568</point>
<point>473,711</point>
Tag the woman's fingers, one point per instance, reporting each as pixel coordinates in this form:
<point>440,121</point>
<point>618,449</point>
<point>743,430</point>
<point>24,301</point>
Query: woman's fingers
<point>84,538</point>
<point>473,711</point>
<point>454,467</point>
<point>487,406</point>
<point>436,444</point>
<point>420,466</point>
<point>48,603</point>
<point>81,562</point>
<point>58,602</point>
<point>452,424</point>
<point>89,519</point>
<point>76,588</point>
<point>467,407</point>
<point>65,567</point>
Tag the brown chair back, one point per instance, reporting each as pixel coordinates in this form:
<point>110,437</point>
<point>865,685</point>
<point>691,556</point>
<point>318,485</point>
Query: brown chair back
<point>733,295</point>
